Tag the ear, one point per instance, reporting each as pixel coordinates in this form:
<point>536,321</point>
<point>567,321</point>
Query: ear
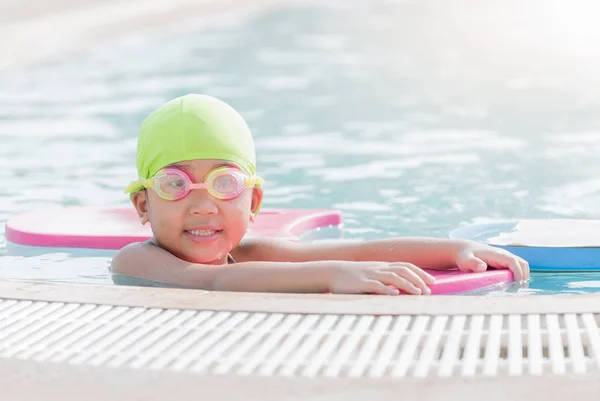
<point>140,202</point>
<point>257,197</point>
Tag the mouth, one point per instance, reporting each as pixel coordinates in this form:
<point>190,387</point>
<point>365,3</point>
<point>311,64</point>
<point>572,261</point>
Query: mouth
<point>203,235</point>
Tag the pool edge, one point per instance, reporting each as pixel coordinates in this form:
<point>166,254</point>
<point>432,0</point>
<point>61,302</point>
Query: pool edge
<point>168,298</point>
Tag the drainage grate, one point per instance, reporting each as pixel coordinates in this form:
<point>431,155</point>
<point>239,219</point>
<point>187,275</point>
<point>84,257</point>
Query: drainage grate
<point>276,344</point>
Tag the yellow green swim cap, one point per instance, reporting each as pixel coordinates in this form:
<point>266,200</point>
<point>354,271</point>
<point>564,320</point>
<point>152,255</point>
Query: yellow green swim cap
<point>192,127</point>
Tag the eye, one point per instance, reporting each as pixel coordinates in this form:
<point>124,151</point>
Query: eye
<point>177,183</point>
<point>226,183</point>
<point>173,183</point>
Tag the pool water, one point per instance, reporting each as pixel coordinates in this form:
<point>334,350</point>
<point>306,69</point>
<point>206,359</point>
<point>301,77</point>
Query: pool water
<point>411,118</point>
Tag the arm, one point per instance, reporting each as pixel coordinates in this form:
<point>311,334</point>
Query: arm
<point>426,253</point>
<point>153,263</point>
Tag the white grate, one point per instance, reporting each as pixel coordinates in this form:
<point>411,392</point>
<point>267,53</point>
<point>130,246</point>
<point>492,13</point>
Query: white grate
<point>302,345</point>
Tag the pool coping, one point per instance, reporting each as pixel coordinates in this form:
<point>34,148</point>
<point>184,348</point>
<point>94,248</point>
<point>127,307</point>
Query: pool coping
<point>170,298</point>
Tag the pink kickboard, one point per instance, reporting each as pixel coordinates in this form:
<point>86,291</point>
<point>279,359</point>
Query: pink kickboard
<point>455,281</point>
<point>113,228</point>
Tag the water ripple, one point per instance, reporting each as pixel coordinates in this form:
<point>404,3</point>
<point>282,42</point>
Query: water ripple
<point>382,109</point>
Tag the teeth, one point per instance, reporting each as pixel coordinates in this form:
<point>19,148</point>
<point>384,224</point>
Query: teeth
<point>202,233</point>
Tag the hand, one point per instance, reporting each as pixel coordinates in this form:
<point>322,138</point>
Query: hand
<point>377,277</point>
<point>477,257</point>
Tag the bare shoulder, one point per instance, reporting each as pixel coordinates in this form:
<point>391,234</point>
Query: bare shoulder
<point>248,250</point>
<point>131,258</point>
<point>260,249</point>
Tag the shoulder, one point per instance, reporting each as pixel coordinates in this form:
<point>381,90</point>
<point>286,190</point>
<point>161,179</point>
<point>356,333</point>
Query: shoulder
<point>269,250</point>
<point>248,250</point>
<point>256,249</point>
<point>129,258</point>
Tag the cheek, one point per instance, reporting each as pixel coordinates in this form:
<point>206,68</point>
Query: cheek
<point>237,211</point>
<point>163,216</point>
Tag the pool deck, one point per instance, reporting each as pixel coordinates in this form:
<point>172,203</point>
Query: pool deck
<point>28,379</point>
<point>41,30</point>
<point>23,380</point>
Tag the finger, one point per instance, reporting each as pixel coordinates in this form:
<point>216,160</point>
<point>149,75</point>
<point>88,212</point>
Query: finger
<point>515,266</point>
<point>525,268</point>
<point>407,274</point>
<point>508,262</point>
<point>471,263</point>
<point>377,287</point>
<point>426,277</point>
<point>392,278</point>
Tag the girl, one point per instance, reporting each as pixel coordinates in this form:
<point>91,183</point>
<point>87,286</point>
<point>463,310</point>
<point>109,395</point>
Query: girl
<point>198,190</point>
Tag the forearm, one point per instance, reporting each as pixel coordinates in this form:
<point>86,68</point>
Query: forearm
<point>427,253</point>
<point>308,277</point>
<point>245,277</point>
<point>432,253</point>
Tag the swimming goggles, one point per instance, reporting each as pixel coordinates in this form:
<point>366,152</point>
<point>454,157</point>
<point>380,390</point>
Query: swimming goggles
<point>222,183</point>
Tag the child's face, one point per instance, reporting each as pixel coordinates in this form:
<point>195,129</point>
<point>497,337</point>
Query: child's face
<point>198,228</point>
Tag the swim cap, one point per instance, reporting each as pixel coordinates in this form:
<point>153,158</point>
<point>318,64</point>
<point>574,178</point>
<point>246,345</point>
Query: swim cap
<point>192,127</point>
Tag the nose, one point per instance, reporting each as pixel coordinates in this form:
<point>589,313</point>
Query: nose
<point>201,202</point>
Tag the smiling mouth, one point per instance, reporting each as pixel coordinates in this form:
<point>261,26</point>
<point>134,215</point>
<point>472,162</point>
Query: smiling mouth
<point>203,233</point>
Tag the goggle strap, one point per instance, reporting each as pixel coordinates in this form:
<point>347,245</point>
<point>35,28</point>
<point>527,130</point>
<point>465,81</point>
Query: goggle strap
<point>148,183</point>
<point>254,181</point>
<point>139,185</point>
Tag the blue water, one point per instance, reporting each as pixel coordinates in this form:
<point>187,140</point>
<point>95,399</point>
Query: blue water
<point>411,118</point>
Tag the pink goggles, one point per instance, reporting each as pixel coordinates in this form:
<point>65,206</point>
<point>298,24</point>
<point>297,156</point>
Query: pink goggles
<point>222,183</point>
